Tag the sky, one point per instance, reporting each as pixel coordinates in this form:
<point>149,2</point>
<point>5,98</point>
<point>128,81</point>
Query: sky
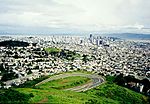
<point>74,16</point>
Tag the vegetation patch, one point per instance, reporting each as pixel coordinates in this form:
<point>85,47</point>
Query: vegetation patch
<point>52,50</point>
<point>10,43</point>
<point>115,94</point>
<point>62,53</point>
<point>14,97</point>
<point>51,92</point>
<point>64,83</point>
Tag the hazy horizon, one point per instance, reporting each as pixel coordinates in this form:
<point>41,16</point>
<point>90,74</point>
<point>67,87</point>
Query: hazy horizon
<point>79,16</point>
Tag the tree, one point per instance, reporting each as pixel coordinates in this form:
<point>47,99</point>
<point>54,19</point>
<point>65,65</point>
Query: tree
<point>85,58</point>
<point>2,68</point>
<point>146,84</point>
<point>8,76</point>
<point>120,80</point>
<point>130,78</point>
<point>14,97</point>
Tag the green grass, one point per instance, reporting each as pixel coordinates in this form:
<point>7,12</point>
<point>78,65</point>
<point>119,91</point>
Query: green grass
<point>75,71</point>
<point>55,96</point>
<point>104,94</point>
<point>13,97</point>
<point>52,50</point>
<point>107,93</point>
<point>64,83</point>
<point>52,92</point>
<point>117,93</point>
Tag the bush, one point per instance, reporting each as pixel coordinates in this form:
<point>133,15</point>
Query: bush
<point>31,95</point>
<point>13,96</point>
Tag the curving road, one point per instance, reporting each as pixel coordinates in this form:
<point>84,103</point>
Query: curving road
<point>96,81</point>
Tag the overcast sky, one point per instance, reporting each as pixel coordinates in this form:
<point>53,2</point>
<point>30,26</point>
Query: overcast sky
<point>56,16</point>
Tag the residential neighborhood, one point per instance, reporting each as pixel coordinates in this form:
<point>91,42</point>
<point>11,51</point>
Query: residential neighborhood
<point>49,55</point>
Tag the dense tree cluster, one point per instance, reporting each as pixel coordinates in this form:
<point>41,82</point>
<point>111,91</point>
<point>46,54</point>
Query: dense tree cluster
<point>10,43</point>
<point>121,80</point>
<point>14,97</point>
<point>7,74</point>
<point>62,53</point>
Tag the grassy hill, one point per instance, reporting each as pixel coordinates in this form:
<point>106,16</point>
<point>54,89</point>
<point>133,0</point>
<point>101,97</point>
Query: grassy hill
<point>107,93</point>
<point>52,92</point>
<point>112,93</point>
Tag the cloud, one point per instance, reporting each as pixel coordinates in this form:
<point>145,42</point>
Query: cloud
<point>81,15</point>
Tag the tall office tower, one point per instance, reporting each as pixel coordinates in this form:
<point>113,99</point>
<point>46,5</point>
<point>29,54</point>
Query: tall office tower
<point>97,42</point>
<point>91,38</point>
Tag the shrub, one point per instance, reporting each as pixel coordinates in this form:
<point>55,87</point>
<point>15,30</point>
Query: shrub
<point>14,97</point>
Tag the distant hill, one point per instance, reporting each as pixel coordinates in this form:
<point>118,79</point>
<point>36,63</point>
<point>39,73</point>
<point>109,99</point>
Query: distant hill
<point>131,36</point>
<point>10,43</point>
